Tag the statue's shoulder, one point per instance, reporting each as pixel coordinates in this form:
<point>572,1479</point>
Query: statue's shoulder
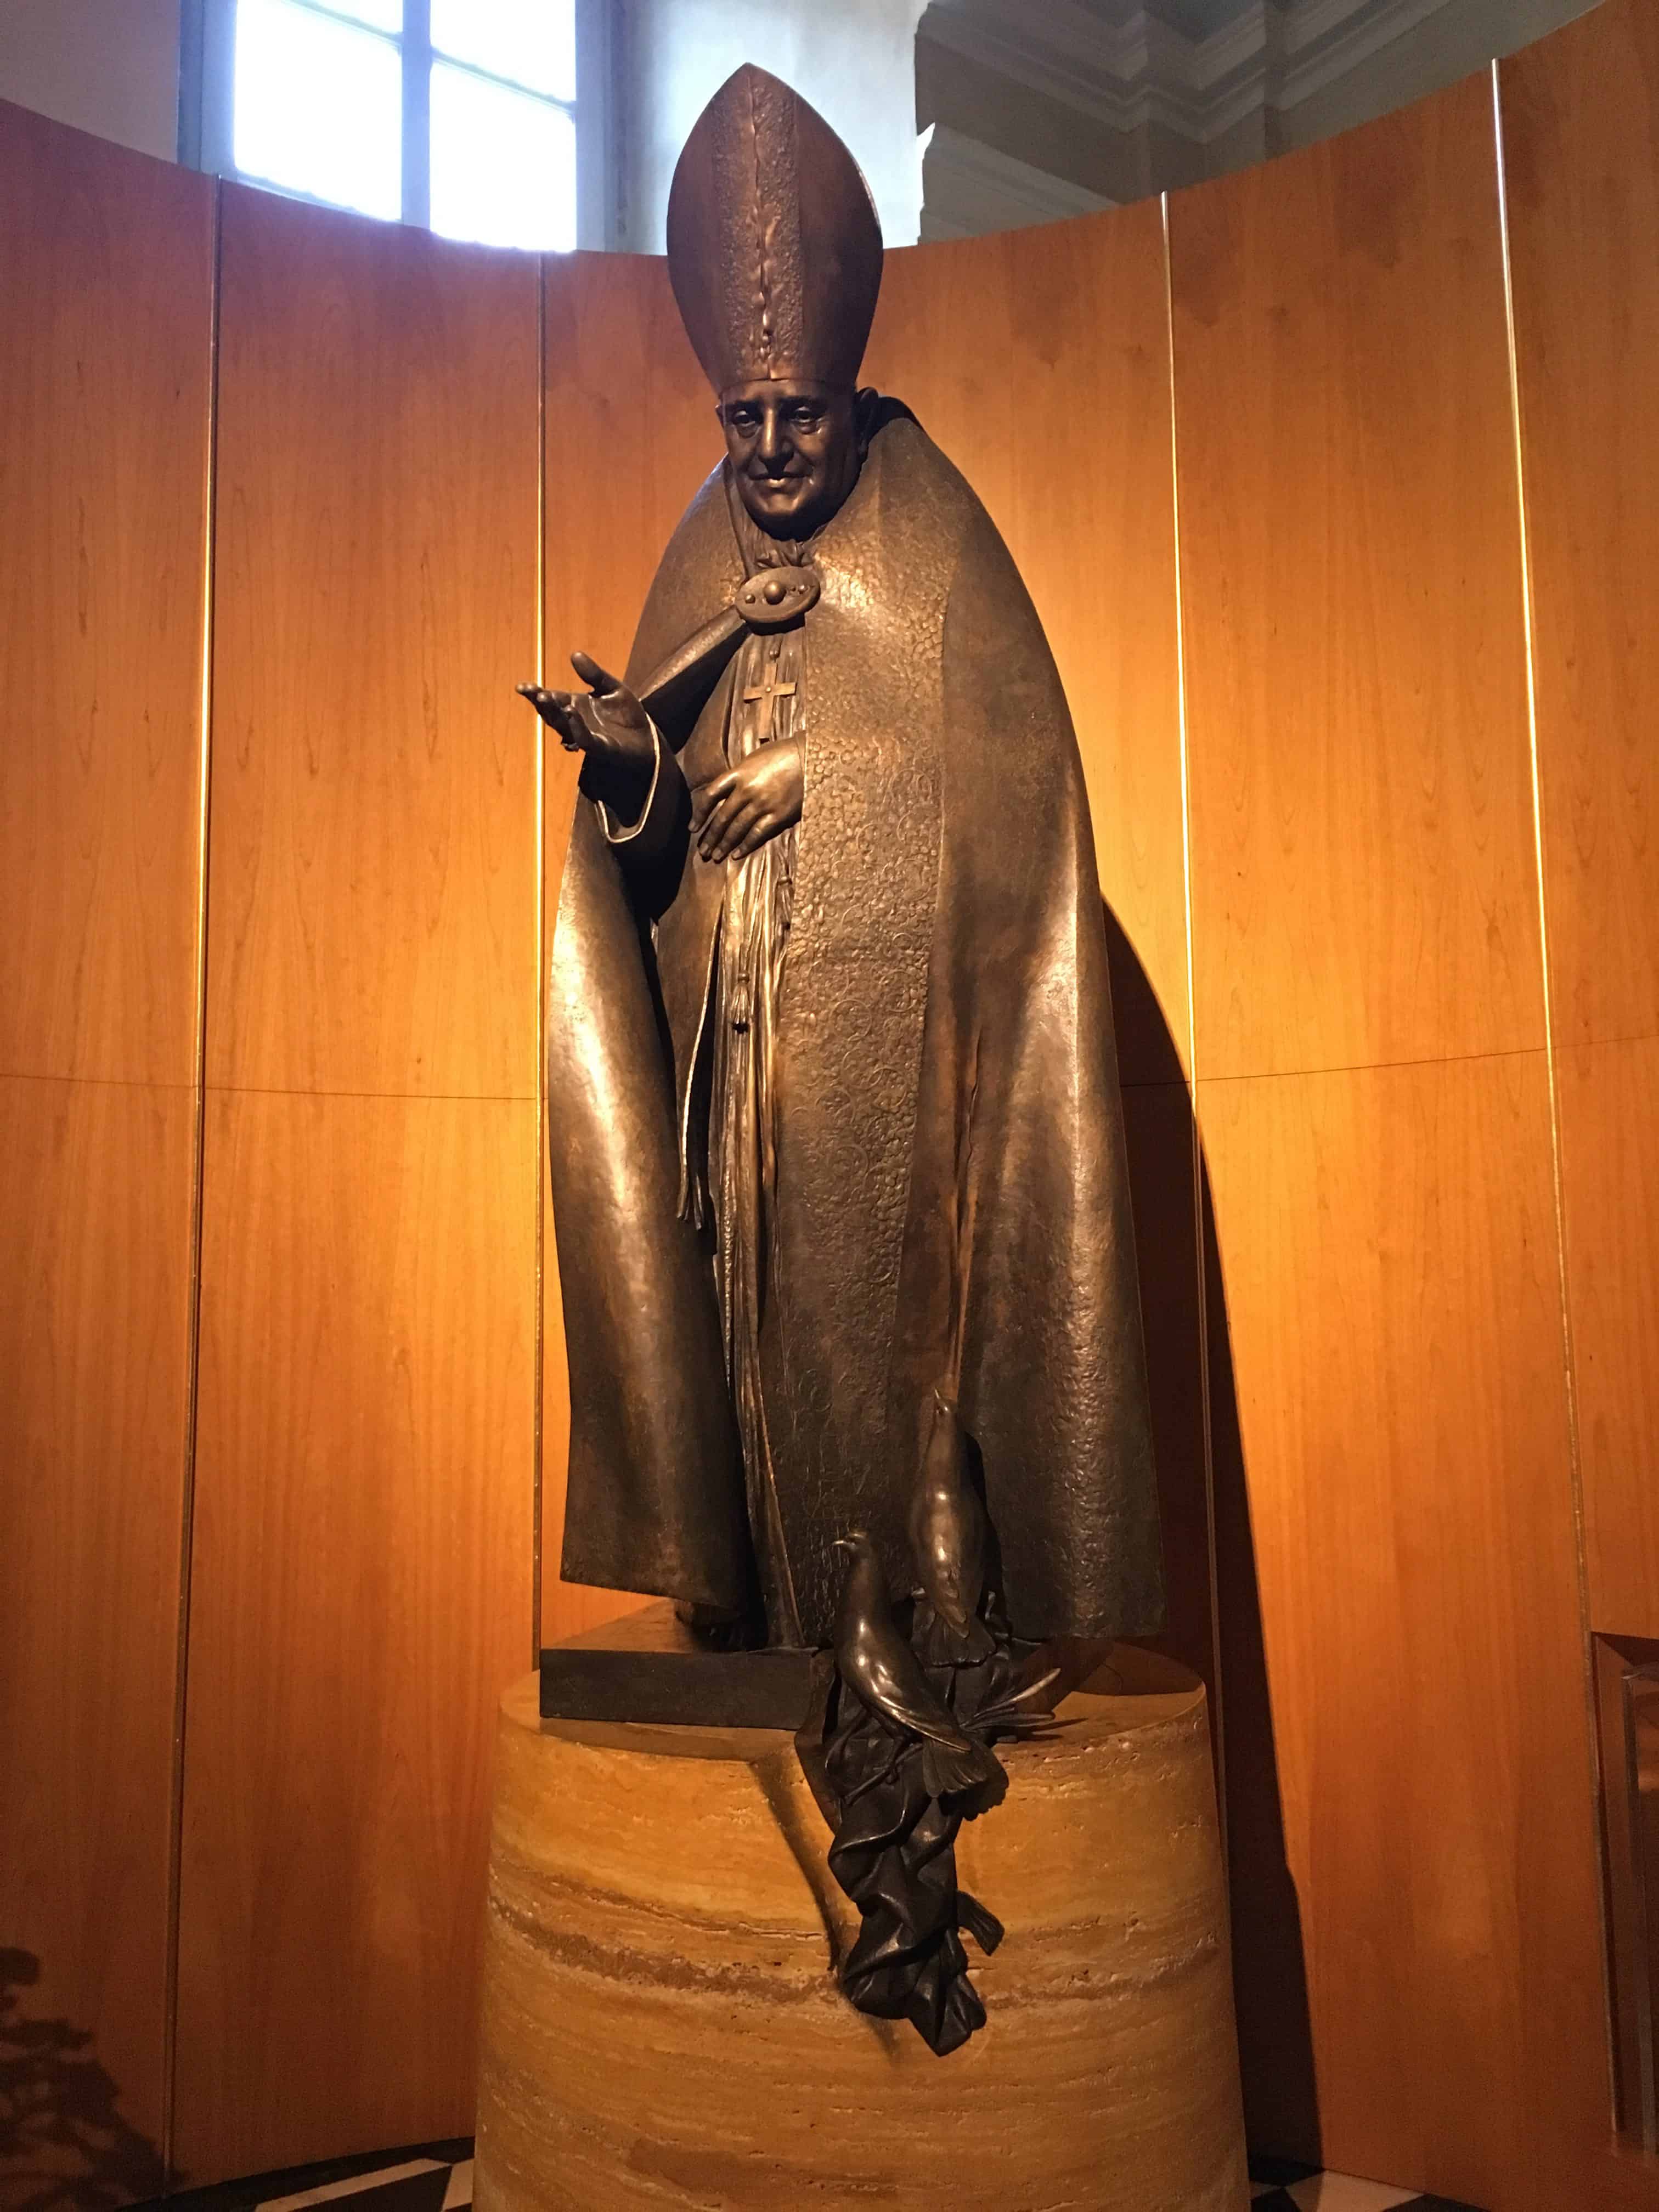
<point>923,493</point>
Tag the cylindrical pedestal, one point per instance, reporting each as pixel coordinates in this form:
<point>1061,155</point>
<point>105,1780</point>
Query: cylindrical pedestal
<point>662,2026</point>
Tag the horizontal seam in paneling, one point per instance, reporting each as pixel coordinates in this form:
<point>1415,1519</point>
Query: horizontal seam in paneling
<point>412,1097</point>
<point>104,1082</point>
<point>1596,1044</point>
<point>1374,1066</point>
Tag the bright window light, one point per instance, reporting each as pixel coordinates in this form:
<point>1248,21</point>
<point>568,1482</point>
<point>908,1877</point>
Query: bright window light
<point>503,164</point>
<point>378,15</point>
<point>319,105</point>
<point>531,42</point>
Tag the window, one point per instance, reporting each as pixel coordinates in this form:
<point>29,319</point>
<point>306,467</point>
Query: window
<point>482,118</point>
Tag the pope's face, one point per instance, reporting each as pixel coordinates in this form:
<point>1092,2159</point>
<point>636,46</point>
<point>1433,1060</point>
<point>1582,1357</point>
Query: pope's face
<point>794,451</point>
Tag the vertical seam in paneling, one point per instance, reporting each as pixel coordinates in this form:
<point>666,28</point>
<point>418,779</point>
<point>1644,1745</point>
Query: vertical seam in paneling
<point>198,1152</point>
<point>1570,1378</point>
<point>541,960</point>
<point>1217,1699</point>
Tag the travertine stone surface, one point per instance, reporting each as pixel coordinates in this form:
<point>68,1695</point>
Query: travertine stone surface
<point>661,2024</point>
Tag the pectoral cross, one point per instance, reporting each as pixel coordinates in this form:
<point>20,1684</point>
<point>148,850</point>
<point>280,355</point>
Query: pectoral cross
<point>764,696</point>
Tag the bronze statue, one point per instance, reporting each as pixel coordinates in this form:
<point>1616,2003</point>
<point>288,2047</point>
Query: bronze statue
<point>831,1079</point>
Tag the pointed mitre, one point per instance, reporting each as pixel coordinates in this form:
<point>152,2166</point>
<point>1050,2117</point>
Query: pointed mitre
<point>774,245</point>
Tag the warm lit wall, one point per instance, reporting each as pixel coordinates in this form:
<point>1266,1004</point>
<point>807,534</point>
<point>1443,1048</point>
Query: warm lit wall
<point>365,1446</point>
<point>1373,1096</point>
<point>1397,1212</point>
<point>105,273</point>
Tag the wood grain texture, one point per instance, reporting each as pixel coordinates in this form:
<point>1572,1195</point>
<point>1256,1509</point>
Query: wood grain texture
<point>630,433</point>
<point>372,915</point>
<point>662,2025</point>
<point>361,1592</point>
<point>1610,1189</point>
<point>1363,875</point>
<point>1039,361</point>
<point>1392,1322</point>
<point>94,1221</point>
<point>1581,131</point>
<point>106,271</point>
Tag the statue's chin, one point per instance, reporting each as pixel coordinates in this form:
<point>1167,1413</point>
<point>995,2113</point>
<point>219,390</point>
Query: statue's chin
<point>782,515</point>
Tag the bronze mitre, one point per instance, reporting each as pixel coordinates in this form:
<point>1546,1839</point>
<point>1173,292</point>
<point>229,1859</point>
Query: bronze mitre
<point>774,245</point>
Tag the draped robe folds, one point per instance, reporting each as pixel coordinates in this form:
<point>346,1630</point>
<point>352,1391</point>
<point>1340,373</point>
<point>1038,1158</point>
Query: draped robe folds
<point>951,1205</point>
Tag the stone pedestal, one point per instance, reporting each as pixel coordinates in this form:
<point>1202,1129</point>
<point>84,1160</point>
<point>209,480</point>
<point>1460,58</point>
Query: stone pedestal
<point>661,2024</point>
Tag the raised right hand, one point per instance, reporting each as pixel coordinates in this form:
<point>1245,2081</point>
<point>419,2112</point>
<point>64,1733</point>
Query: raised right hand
<point>607,724</point>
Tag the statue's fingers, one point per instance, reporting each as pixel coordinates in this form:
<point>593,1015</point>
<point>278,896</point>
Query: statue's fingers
<point>738,820</point>
<point>541,699</point>
<point>561,713</point>
<point>754,838</point>
<point>708,796</point>
<point>716,825</point>
<point>599,681</point>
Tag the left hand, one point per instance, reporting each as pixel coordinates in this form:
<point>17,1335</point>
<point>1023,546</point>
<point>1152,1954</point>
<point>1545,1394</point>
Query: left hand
<point>740,809</point>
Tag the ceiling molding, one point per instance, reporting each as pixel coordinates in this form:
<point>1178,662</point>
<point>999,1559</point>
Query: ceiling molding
<point>1143,71</point>
<point>970,188</point>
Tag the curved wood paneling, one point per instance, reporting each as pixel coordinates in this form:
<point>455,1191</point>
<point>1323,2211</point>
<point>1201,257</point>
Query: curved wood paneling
<point>1039,360</point>
<point>372,918</point>
<point>1610,1181</point>
<point>1365,909</point>
<point>365,1468</point>
<point>106,276</point>
<point>1581,137</point>
<point>106,269</point>
<point>1581,131</point>
<point>94,1223</point>
<point>361,1592</point>
<point>1393,1320</point>
<point>1364,882</point>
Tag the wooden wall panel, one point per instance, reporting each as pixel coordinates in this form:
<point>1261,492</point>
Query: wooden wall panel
<point>1039,360</point>
<point>106,270</point>
<point>630,433</point>
<point>360,1593</point>
<point>366,1455</point>
<point>1610,1184</point>
<point>1411,1793</point>
<point>371,925</point>
<point>1581,136</point>
<point>1392,1332</point>
<point>105,274</point>
<point>94,1224</point>
<point>1363,883</point>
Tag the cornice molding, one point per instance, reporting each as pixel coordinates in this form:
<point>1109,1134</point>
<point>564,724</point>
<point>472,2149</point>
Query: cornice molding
<point>971,187</point>
<point>1143,71</point>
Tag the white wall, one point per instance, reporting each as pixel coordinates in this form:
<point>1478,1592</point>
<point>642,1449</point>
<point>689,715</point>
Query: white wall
<point>853,60</point>
<point>107,66</point>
